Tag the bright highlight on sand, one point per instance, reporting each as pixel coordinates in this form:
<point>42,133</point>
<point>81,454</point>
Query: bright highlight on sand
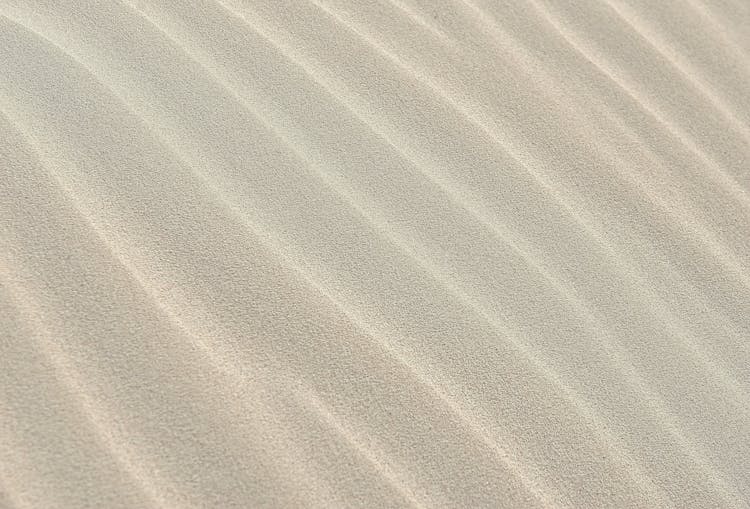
<point>374,253</point>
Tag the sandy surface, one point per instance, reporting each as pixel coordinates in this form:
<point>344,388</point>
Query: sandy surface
<point>384,253</point>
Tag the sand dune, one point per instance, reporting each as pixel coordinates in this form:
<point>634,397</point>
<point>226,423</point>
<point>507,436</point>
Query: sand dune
<point>385,253</point>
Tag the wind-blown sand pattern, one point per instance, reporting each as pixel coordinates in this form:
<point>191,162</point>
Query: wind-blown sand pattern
<point>384,253</point>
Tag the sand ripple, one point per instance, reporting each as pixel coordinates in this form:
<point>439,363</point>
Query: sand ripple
<point>388,253</point>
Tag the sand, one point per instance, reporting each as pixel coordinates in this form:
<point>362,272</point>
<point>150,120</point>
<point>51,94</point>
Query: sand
<point>383,253</point>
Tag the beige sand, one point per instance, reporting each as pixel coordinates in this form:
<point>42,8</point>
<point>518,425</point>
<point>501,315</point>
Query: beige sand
<point>384,253</point>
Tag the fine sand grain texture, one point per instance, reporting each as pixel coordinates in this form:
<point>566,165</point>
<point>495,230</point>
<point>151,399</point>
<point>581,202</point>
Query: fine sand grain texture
<point>374,253</point>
